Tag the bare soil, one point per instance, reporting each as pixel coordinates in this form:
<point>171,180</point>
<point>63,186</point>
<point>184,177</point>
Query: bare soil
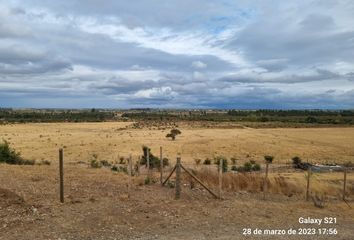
<point>99,206</point>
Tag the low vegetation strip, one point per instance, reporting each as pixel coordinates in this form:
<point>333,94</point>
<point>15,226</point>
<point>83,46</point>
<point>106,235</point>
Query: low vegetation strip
<point>309,117</point>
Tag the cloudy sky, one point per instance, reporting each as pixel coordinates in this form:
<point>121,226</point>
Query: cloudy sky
<point>164,53</point>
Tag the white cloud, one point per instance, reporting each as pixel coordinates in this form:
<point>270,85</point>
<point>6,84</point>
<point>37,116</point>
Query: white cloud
<point>205,53</point>
<point>166,40</point>
<point>199,64</point>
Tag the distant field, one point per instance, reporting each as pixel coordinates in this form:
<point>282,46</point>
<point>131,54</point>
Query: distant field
<point>111,140</point>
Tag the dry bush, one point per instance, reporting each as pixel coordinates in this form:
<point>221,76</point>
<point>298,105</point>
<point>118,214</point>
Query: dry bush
<point>250,182</point>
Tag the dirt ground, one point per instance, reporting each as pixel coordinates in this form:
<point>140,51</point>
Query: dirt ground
<point>99,206</point>
<point>109,141</point>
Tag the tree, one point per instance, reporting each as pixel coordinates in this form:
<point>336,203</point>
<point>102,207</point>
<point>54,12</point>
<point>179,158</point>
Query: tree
<point>173,133</point>
<point>268,158</point>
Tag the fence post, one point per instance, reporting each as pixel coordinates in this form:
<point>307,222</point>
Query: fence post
<point>138,167</point>
<point>61,174</point>
<point>344,183</point>
<point>220,177</point>
<point>308,183</point>
<point>161,165</point>
<point>265,183</point>
<point>178,178</point>
<point>148,164</point>
<point>130,170</point>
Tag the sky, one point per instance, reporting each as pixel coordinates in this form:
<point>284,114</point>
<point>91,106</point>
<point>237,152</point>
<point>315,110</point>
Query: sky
<point>177,54</point>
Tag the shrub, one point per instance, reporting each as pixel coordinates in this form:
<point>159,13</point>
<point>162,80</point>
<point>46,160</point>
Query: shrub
<point>154,161</point>
<point>224,162</point>
<point>233,160</point>
<point>296,160</point>
<point>268,158</point>
<point>207,161</point>
<point>170,184</point>
<point>197,161</point>
<point>247,166</point>
<point>256,167</point>
<point>105,163</point>
<point>121,160</point>
<point>119,169</point>
<point>10,156</point>
<point>234,168</point>
<point>95,164</point>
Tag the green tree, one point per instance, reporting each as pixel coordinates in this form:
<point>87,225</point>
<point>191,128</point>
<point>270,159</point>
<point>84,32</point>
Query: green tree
<point>173,133</point>
<point>268,158</point>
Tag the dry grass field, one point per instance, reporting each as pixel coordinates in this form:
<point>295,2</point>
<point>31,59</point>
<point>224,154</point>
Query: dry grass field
<point>111,140</point>
<point>99,205</point>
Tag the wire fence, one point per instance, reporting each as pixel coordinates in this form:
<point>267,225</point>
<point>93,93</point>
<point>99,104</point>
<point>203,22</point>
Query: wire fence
<point>288,179</point>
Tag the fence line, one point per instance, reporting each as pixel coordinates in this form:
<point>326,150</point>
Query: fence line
<point>149,173</point>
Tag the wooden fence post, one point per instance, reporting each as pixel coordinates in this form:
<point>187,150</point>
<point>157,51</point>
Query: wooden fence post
<point>161,165</point>
<point>265,183</point>
<point>308,183</point>
<point>344,183</point>
<point>178,178</point>
<point>148,164</point>
<point>220,177</point>
<point>130,170</point>
<point>61,174</point>
<point>138,166</point>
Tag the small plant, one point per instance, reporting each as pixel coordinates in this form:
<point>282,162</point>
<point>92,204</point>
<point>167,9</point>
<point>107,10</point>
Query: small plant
<point>44,162</point>
<point>268,158</point>
<point>121,160</point>
<point>256,167</point>
<point>224,162</point>
<point>296,161</point>
<point>105,163</point>
<point>119,169</point>
<point>247,166</point>
<point>233,160</point>
<point>173,133</point>
<point>170,184</point>
<point>95,164</point>
<point>114,168</point>
<point>147,181</point>
<point>197,161</point>
<point>234,168</point>
<point>207,161</point>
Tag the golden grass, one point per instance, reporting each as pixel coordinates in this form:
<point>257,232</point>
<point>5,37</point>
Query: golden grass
<point>329,185</point>
<point>111,140</point>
